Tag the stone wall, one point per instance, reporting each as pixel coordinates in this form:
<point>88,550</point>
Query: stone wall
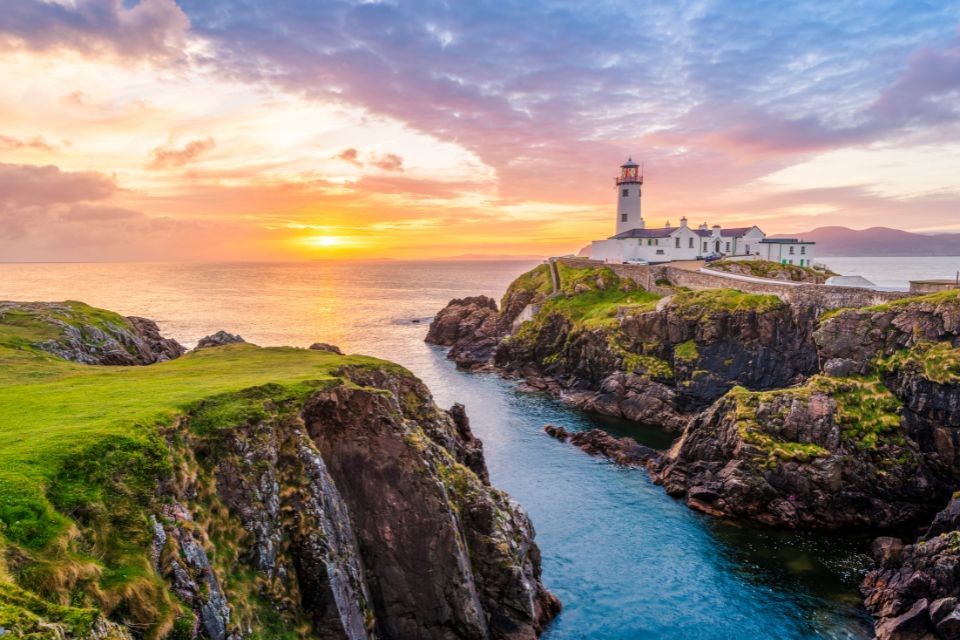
<point>819,295</point>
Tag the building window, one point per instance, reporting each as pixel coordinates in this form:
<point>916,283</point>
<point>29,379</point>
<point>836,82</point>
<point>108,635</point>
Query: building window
<point>803,251</point>
<point>791,253</point>
<point>676,243</point>
<point>649,242</point>
<point>691,243</point>
<point>656,242</point>
<point>704,247</point>
<point>748,249</point>
<point>659,252</point>
<point>626,192</point>
<point>623,217</point>
<point>728,247</point>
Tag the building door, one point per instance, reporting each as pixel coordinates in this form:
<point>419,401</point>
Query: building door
<point>717,247</point>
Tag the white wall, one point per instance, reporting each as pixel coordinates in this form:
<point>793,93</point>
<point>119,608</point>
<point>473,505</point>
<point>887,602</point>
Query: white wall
<point>629,215</point>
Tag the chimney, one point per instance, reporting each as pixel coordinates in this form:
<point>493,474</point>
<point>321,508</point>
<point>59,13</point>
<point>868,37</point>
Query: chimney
<point>683,222</point>
<point>704,227</point>
<point>667,225</point>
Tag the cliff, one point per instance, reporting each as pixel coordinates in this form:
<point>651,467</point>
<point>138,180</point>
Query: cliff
<point>241,492</point>
<point>788,413</point>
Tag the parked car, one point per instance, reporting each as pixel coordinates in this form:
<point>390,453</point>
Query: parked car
<point>636,261</point>
<point>713,257</point>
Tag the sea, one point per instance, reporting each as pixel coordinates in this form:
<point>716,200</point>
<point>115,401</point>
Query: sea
<point>627,561</point>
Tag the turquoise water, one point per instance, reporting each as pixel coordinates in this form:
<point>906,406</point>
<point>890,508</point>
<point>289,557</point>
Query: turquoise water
<point>627,561</point>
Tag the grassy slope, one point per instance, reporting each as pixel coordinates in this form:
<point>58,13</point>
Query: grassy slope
<point>52,410</point>
<point>81,443</point>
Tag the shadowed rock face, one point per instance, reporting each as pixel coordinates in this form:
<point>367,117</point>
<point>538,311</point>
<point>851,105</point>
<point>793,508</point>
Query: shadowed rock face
<point>363,512</point>
<point>915,589</point>
<point>471,327</point>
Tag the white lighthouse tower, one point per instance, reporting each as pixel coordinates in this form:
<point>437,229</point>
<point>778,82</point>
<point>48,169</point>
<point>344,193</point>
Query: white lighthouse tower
<point>629,183</point>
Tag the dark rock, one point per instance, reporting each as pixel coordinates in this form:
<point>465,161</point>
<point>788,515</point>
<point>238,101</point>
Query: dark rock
<point>470,327</point>
<point>840,367</point>
<point>367,513</point>
<point>218,339</point>
<point>940,609</point>
<point>887,551</point>
<point>323,346</point>
<point>596,442</point>
<point>914,624</point>
<point>788,464</point>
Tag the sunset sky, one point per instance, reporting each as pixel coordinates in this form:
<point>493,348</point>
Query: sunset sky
<point>293,129</point>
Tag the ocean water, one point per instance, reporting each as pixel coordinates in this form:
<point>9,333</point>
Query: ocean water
<point>896,273</point>
<point>627,561</point>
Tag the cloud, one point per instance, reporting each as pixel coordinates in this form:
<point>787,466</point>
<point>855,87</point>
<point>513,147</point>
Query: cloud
<point>350,155</point>
<point>36,142</point>
<point>542,91</point>
<point>168,156</point>
<point>153,29</point>
<point>89,212</point>
<point>388,162</point>
<point>30,185</point>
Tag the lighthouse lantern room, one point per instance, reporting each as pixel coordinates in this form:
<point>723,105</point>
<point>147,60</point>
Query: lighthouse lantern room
<point>629,184</point>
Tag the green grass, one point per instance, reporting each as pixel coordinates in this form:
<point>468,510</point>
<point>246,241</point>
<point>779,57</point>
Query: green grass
<point>937,362</point>
<point>949,297</point>
<point>866,412</point>
<point>771,269</point>
<point>686,351</point>
<point>649,366</point>
<point>536,281</point>
<point>595,297</point>
<point>56,411</point>
<point>83,449</point>
<point>694,304</point>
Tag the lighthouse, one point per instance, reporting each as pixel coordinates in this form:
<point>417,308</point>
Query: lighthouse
<point>629,183</point>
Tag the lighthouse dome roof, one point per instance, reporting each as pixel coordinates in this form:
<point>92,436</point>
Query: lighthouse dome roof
<point>630,163</point>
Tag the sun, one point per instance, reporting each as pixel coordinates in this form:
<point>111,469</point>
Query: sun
<point>322,241</point>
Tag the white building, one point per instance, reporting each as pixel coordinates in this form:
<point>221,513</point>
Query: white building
<point>633,241</point>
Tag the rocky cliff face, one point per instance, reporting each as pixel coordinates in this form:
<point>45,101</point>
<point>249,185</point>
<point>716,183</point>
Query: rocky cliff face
<point>915,589</point>
<point>338,502</point>
<point>606,345</point>
<point>363,513</point>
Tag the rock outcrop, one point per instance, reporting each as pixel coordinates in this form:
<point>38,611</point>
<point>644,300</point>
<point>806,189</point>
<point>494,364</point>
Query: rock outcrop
<point>77,332</point>
<point>915,590</point>
<point>470,327</point>
<point>219,339</point>
<point>345,507</point>
<point>831,454</point>
<point>362,514</point>
<point>323,346</point>
<point>624,451</point>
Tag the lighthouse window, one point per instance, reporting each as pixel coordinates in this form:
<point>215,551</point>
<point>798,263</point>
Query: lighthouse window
<point>626,192</point>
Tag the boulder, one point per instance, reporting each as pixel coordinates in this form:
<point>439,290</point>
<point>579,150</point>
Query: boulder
<point>323,346</point>
<point>470,327</point>
<point>219,339</point>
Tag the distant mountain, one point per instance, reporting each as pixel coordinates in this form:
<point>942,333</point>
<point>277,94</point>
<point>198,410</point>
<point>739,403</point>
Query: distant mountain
<point>878,241</point>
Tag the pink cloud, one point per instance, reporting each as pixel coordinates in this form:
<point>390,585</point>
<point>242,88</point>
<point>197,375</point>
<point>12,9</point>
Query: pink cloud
<point>167,156</point>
